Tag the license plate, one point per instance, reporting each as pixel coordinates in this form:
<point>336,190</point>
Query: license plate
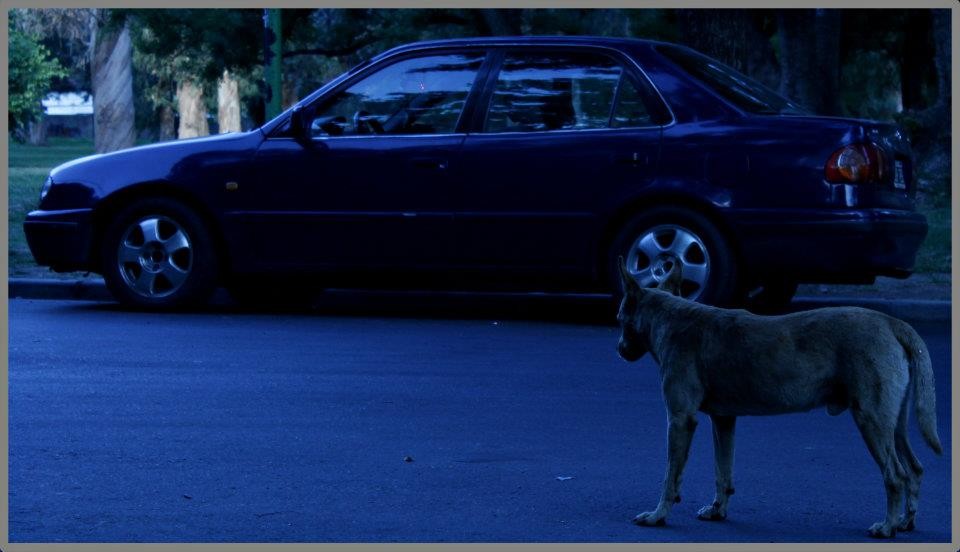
<point>898,180</point>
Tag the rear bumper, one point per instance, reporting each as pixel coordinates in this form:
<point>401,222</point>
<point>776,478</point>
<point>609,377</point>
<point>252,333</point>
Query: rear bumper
<point>60,239</point>
<point>829,245</point>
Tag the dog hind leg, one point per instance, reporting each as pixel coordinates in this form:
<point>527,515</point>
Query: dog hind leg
<point>680,434</point>
<point>878,433</point>
<point>913,468</point>
<point>723,430</point>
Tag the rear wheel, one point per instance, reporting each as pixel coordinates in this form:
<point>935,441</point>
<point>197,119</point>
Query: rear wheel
<point>158,254</point>
<point>663,235</point>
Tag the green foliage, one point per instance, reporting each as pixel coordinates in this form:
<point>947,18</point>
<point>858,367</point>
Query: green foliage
<point>31,71</point>
<point>870,85</point>
<point>934,254</point>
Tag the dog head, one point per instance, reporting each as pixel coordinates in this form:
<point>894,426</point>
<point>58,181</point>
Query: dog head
<point>633,344</point>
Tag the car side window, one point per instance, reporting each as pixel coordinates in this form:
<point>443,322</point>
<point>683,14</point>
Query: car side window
<point>541,91</point>
<point>630,109</point>
<point>423,95</point>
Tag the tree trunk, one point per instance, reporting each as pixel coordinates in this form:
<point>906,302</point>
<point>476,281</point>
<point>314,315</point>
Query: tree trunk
<point>193,112</point>
<point>228,104</point>
<point>290,94</point>
<point>37,132</point>
<point>826,61</point>
<point>112,84</point>
<point>798,71</point>
<point>607,22</point>
<point>500,22</point>
<point>942,59</point>
<point>810,58</point>
<point>718,33</point>
<point>915,59</point>
<point>168,124</point>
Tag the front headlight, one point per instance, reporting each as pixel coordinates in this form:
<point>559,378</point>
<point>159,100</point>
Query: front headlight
<point>46,188</point>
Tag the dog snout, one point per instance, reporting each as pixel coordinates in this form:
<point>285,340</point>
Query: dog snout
<point>627,352</point>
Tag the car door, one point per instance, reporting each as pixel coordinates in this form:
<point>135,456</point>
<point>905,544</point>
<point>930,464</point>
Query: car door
<point>368,181</point>
<point>562,131</point>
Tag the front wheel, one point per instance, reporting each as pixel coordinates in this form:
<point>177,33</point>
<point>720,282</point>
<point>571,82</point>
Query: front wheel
<point>652,240</point>
<point>158,254</point>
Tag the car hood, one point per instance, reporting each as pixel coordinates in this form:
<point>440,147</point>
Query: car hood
<point>149,162</point>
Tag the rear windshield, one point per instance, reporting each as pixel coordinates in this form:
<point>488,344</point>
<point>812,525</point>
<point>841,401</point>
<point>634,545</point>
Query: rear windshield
<point>737,88</point>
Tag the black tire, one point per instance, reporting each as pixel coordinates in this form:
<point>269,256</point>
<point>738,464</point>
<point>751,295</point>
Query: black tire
<point>774,297</point>
<point>261,291</point>
<point>173,267</point>
<point>708,254</point>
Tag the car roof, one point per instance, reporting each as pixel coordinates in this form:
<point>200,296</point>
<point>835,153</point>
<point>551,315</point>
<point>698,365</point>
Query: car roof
<point>614,42</point>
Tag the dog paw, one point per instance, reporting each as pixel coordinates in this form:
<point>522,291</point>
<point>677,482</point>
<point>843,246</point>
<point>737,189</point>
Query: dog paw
<point>711,512</point>
<point>650,519</point>
<point>880,531</point>
<point>906,524</point>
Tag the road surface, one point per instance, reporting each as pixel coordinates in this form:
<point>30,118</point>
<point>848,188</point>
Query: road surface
<point>413,419</point>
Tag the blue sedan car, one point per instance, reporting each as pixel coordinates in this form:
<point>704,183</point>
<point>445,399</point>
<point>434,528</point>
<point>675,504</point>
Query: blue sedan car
<point>526,162</point>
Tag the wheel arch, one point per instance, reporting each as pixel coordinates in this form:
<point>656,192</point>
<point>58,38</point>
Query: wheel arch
<point>107,208</point>
<point>635,207</point>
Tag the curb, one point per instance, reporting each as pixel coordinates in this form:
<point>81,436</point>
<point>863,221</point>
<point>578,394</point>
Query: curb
<point>39,288</point>
<point>95,290</point>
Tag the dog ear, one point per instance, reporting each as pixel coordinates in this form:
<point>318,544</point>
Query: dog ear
<point>671,284</point>
<point>630,286</point>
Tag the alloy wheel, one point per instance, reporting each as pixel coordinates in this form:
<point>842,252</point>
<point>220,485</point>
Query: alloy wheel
<point>155,257</point>
<point>650,256</point>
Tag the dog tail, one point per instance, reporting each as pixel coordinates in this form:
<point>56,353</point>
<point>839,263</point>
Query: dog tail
<point>921,379</point>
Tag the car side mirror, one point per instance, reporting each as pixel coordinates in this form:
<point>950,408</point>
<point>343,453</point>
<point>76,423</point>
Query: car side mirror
<point>299,128</point>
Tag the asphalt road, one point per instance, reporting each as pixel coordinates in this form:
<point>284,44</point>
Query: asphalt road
<point>418,419</point>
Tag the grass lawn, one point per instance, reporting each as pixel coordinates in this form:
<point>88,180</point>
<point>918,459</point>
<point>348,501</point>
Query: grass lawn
<point>29,166</point>
<point>934,254</point>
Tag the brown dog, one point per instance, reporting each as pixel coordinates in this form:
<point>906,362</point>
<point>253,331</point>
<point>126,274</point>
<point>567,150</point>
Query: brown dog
<point>730,363</point>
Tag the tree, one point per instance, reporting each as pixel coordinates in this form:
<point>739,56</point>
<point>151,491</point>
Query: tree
<point>112,82</point>
<point>193,118</point>
<point>809,58</point>
<point>228,103</point>
<point>184,53</point>
<point>31,73</point>
<point>66,34</point>
<point>739,38</point>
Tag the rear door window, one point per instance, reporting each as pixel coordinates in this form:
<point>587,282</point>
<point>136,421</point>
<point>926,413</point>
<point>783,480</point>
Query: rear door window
<point>544,91</point>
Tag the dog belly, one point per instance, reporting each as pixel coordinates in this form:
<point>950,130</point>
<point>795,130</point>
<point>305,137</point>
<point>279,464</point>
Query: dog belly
<point>751,401</point>
<point>723,408</point>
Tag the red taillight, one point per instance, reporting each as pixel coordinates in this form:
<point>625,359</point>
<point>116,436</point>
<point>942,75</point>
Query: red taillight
<point>856,163</point>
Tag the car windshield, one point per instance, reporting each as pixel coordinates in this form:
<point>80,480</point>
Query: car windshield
<point>737,88</point>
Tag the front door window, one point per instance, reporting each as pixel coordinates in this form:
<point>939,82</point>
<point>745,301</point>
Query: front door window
<point>423,95</point>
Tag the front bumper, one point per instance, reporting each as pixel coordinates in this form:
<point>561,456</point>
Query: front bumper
<point>60,239</point>
<point>828,245</point>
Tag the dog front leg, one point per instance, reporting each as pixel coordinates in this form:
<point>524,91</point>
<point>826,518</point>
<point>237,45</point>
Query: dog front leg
<point>680,434</point>
<point>723,427</point>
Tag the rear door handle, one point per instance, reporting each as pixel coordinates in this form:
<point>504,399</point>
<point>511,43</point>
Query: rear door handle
<point>634,159</point>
